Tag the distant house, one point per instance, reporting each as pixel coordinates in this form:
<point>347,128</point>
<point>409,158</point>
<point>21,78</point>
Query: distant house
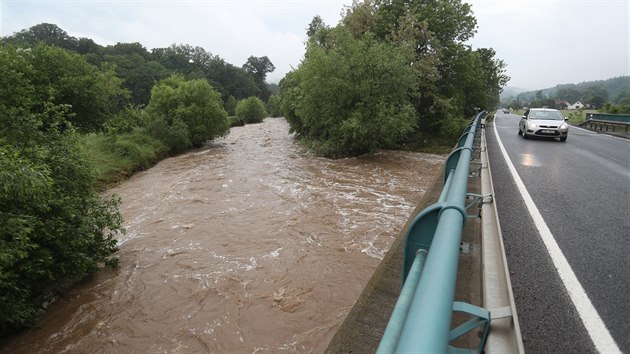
<point>561,104</point>
<point>576,105</point>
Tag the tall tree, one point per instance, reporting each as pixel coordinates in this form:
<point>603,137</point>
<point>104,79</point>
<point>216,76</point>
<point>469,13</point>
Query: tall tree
<point>259,67</point>
<point>134,64</point>
<point>65,78</point>
<point>450,21</point>
<point>231,80</point>
<point>44,32</point>
<point>354,98</point>
<point>185,59</point>
<point>448,79</point>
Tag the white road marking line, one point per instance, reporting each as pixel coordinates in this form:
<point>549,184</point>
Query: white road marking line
<point>596,328</point>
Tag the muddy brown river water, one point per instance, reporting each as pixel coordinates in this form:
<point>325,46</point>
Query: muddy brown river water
<point>249,245</point>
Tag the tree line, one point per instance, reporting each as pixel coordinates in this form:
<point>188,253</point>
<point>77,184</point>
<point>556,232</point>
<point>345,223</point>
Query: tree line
<point>138,68</point>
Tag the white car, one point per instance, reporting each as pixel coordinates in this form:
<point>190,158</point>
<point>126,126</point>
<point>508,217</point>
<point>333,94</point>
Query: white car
<point>544,123</point>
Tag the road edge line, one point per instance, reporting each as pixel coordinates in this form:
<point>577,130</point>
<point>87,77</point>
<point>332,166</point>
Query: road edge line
<point>595,326</point>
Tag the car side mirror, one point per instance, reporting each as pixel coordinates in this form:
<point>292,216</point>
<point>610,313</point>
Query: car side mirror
<point>566,118</point>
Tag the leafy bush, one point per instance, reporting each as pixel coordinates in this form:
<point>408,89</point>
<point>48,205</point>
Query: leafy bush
<point>354,96</point>
<point>175,136</point>
<point>64,77</point>
<point>186,113</point>
<point>291,97</point>
<point>55,228</point>
<point>251,110</point>
<point>236,121</point>
<point>452,128</point>
<point>125,120</point>
<point>622,108</point>
<point>576,117</point>
<point>273,105</point>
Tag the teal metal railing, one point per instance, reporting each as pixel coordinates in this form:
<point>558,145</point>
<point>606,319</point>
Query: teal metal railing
<point>421,319</point>
<point>622,118</point>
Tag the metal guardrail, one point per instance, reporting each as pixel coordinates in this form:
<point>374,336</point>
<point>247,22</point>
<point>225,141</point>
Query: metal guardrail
<point>599,121</point>
<point>421,319</point>
<point>607,117</point>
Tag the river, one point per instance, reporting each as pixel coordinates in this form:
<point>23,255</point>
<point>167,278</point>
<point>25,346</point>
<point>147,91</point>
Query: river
<point>248,245</point>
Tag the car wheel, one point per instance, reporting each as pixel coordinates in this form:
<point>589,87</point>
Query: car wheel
<point>563,139</point>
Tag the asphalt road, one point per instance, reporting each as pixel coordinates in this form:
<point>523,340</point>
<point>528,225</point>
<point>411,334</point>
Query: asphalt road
<point>582,189</point>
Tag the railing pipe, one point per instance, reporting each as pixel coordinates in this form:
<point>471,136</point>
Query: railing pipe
<point>447,186</point>
<point>399,315</point>
<point>428,321</point>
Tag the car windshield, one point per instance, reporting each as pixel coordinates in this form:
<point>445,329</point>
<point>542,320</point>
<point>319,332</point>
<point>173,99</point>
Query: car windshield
<point>547,115</point>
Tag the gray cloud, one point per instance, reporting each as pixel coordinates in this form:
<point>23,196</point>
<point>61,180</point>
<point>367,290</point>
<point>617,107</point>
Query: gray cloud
<point>546,43</point>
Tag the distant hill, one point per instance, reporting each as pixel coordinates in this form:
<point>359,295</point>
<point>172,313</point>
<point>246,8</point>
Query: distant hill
<point>617,89</point>
<point>509,92</point>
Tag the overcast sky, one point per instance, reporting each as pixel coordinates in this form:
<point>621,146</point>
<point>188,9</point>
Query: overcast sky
<point>543,42</point>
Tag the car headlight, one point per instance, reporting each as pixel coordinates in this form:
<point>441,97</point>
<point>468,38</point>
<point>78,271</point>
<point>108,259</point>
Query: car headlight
<point>532,125</point>
<point>564,126</point>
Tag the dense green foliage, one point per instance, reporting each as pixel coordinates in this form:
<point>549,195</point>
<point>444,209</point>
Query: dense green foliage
<point>230,106</point>
<point>367,90</point>
<point>273,105</point>
<point>55,227</point>
<point>391,74</point>
<point>251,110</point>
<point>139,69</point>
<point>258,67</point>
<point>62,77</point>
<point>621,108</point>
<point>186,113</point>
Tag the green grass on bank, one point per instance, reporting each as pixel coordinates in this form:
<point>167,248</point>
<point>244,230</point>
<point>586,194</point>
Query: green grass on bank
<point>118,156</point>
<point>577,116</point>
